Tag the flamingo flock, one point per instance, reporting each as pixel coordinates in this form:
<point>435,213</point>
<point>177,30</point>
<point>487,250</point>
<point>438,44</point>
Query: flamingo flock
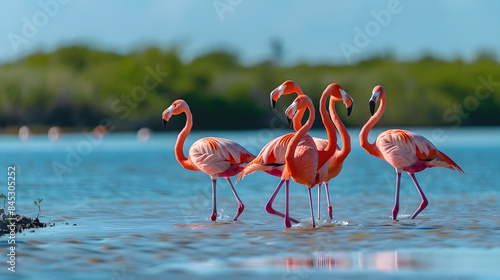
<point>307,160</point>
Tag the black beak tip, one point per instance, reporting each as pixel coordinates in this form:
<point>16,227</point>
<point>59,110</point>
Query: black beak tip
<point>164,122</point>
<point>290,122</point>
<point>273,104</point>
<point>372,107</point>
<point>349,109</point>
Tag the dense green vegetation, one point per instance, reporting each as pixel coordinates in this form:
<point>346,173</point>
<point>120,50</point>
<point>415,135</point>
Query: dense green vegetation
<point>79,87</point>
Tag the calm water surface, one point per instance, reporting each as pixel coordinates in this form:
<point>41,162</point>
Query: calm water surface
<point>125,209</point>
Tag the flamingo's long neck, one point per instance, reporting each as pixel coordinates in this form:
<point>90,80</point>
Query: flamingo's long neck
<point>294,142</point>
<point>297,122</point>
<point>179,144</point>
<point>344,135</point>
<point>363,135</point>
<point>325,155</point>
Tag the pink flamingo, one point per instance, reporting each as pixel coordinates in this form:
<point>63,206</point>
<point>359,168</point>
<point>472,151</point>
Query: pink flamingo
<point>271,158</point>
<point>404,150</point>
<point>336,162</point>
<point>303,160</point>
<point>216,157</point>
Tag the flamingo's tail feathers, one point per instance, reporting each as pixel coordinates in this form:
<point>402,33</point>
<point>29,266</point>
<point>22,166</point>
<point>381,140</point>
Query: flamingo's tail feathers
<point>250,168</point>
<point>240,176</point>
<point>450,163</point>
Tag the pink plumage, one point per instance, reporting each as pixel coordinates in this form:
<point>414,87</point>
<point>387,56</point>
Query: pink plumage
<point>217,157</point>
<point>404,150</point>
<point>335,163</point>
<point>411,152</point>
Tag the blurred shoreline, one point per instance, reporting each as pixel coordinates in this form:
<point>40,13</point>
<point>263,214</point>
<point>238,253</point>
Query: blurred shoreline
<point>78,87</point>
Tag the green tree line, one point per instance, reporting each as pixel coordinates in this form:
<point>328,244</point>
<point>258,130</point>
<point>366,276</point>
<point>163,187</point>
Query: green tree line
<point>78,87</point>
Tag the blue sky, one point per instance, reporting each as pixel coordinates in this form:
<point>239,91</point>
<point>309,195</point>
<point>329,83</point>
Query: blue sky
<point>310,31</point>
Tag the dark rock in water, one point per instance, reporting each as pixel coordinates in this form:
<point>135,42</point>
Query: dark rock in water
<point>21,222</point>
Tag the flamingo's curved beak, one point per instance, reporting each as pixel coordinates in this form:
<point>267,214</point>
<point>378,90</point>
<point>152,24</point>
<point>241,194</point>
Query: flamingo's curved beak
<point>290,122</point>
<point>373,100</point>
<point>348,101</point>
<point>271,96</point>
<point>275,94</point>
<point>166,115</point>
<point>372,107</point>
<point>290,113</point>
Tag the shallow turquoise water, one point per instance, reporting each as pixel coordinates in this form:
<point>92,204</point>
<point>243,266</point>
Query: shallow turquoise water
<point>125,209</point>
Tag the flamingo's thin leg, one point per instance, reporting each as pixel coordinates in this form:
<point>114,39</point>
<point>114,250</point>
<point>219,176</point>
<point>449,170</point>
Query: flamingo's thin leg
<point>311,206</point>
<point>395,210</point>
<point>319,203</point>
<point>214,203</point>
<point>269,205</point>
<point>241,207</point>
<point>424,199</point>
<point>287,215</point>
<point>328,199</point>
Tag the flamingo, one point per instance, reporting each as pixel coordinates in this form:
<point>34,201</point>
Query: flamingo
<point>303,160</point>
<point>271,158</point>
<point>404,150</point>
<point>217,157</point>
<point>336,162</point>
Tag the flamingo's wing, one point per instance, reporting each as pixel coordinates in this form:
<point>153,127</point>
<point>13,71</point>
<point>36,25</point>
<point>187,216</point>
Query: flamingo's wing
<point>215,155</point>
<point>270,158</point>
<point>320,143</point>
<point>402,148</point>
<point>233,151</point>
